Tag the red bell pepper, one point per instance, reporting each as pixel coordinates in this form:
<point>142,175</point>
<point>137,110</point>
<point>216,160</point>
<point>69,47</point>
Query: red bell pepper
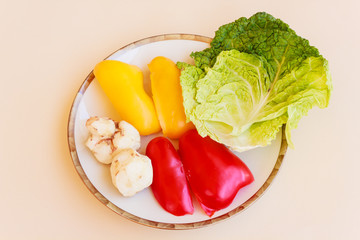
<point>215,174</point>
<point>169,186</point>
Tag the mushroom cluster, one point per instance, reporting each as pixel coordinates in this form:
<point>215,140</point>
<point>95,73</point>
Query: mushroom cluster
<point>116,143</point>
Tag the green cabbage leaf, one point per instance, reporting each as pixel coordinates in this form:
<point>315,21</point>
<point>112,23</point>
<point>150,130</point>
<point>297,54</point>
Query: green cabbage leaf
<point>256,76</point>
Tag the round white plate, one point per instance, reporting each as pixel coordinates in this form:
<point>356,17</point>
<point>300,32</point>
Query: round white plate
<point>143,208</point>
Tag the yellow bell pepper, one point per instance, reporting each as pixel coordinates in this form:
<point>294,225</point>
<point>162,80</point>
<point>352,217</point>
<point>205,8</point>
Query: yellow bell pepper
<point>167,96</point>
<point>123,85</point>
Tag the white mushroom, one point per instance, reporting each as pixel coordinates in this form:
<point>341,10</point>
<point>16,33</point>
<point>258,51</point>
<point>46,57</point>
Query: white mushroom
<point>92,141</point>
<point>131,172</point>
<point>103,151</point>
<point>116,143</point>
<point>127,136</point>
<point>103,127</point>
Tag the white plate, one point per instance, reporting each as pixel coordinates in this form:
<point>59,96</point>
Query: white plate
<point>143,208</point>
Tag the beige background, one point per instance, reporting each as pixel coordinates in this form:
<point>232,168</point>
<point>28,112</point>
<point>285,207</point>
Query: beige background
<point>49,47</point>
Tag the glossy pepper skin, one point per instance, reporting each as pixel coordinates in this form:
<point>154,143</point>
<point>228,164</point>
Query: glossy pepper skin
<point>169,186</point>
<point>215,174</point>
<point>123,85</point>
<point>167,95</point>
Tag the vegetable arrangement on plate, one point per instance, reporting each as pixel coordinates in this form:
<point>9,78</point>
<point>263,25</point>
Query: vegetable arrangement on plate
<point>256,76</point>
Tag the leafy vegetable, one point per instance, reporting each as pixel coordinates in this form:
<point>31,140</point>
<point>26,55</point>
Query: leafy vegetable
<point>256,76</point>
